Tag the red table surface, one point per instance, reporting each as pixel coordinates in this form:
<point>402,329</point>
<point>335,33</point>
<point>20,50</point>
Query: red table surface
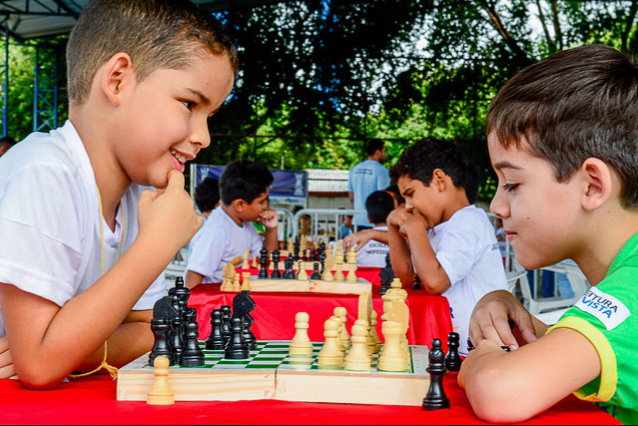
<point>275,313</point>
<point>92,401</point>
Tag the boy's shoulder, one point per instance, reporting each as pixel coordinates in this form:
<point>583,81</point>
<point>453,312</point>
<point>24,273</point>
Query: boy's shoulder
<point>471,217</point>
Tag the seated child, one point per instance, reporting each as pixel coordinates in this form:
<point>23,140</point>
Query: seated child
<point>82,246</point>
<point>563,140</point>
<point>379,204</point>
<point>449,242</point>
<point>228,232</point>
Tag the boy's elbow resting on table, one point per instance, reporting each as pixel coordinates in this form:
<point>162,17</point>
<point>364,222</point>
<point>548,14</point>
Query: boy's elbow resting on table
<point>497,396</point>
<point>435,286</point>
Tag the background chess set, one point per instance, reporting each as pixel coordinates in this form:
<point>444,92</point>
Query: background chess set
<point>295,277</point>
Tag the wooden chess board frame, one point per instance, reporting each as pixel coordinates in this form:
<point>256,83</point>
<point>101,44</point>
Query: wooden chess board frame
<point>312,286</point>
<point>270,373</point>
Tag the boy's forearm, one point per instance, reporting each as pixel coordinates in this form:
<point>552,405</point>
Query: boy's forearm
<point>270,241</point>
<point>400,257</point>
<point>128,342</point>
<point>380,236</point>
<point>41,334</point>
<point>433,277</point>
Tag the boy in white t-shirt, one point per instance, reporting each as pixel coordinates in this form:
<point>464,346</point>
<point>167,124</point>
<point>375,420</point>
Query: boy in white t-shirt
<point>77,249</point>
<point>229,231</point>
<point>379,205</point>
<point>450,241</point>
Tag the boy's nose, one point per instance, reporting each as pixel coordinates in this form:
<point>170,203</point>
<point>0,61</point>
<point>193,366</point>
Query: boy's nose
<point>200,134</point>
<point>499,206</point>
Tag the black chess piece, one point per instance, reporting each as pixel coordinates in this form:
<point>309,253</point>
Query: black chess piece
<point>263,261</point>
<point>417,283</point>
<point>470,346</point>
<point>288,272</point>
<point>160,328</point>
<point>312,257</point>
<point>192,356</point>
<point>452,359</point>
<point>315,272</point>
<point>295,256</point>
<point>177,338</point>
<point>237,348</point>
<point>243,304</point>
<point>163,309</point>
<point>386,275</point>
<point>322,261</point>
<point>215,340</point>
<point>435,398</point>
<point>180,290</point>
<point>225,324</point>
<point>275,260</point>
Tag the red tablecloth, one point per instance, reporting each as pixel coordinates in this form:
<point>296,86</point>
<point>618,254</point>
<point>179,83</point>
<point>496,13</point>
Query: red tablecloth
<point>275,313</point>
<point>92,400</point>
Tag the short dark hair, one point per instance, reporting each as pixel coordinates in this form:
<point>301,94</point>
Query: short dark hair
<point>244,180</point>
<point>396,193</point>
<point>373,146</point>
<point>379,204</point>
<point>573,105</point>
<point>419,161</point>
<point>207,194</point>
<point>154,33</point>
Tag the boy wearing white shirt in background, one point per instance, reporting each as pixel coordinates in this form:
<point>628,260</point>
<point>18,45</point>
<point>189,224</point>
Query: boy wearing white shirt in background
<point>229,231</point>
<point>379,205</point>
<point>450,241</point>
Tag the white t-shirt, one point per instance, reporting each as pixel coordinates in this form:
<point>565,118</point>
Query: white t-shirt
<point>373,253</point>
<point>218,241</point>
<point>49,220</point>
<point>467,250</point>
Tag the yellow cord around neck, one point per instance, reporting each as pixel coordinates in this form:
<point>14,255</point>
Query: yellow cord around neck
<point>104,364</point>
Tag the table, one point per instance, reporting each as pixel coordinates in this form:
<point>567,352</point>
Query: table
<point>92,400</point>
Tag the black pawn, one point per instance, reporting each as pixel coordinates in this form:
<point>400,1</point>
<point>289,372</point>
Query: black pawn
<point>435,398</point>
<point>192,355</point>
<point>452,359</point>
<point>225,324</point>
<point>215,340</point>
<point>161,347</point>
<point>177,338</point>
<point>470,346</point>
<point>315,271</point>
<point>237,348</point>
<point>275,260</point>
<point>322,261</point>
<point>288,272</point>
<point>295,256</point>
<point>263,261</point>
<point>417,283</point>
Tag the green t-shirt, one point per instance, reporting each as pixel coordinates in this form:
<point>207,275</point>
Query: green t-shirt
<point>604,315</point>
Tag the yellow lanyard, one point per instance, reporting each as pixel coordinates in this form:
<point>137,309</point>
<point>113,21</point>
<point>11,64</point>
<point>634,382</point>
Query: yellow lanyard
<point>112,370</point>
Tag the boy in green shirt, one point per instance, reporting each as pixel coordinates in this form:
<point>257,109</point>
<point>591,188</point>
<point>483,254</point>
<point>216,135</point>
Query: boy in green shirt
<point>563,140</point>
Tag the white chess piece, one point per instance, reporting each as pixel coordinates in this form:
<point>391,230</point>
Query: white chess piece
<point>300,344</point>
<point>331,353</point>
<point>340,311</point>
<point>160,393</point>
<point>358,358</point>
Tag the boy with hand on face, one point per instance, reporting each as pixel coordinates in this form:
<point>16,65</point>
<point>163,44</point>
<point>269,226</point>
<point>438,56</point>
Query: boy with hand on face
<point>81,260</point>
<point>563,140</point>
<point>449,242</point>
<point>228,232</point>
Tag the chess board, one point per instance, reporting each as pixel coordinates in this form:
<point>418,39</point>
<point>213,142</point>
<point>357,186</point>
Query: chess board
<point>269,373</point>
<point>312,286</point>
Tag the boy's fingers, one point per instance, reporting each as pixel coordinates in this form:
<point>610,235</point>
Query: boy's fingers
<point>4,344</point>
<point>525,326</point>
<point>175,181</point>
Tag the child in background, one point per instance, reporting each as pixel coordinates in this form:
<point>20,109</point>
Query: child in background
<point>449,242</point>
<point>206,199</point>
<point>378,205</point>
<point>563,140</point>
<point>228,232</point>
<point>82,256</point>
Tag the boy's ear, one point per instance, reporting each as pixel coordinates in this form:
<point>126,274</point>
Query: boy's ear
<point>116,75</point>
<point>439,179</point>
<point>239,205</point>
<point>597,180</point>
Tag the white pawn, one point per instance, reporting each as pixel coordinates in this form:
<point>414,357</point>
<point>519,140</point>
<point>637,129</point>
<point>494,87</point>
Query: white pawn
<point>392,358</point>
<point>300,344</point>
<point>352,263</point>
<point>245,285</point>
<point>331,353</point>
<point>358,358</point>
<point>339,262</point>
<point>246,263</point>
<point>236,284</point>
<point>373,331</point>
<point>160,393</point>
<point>302,275</point>
<point>339,332</point>
<point>340,311</point>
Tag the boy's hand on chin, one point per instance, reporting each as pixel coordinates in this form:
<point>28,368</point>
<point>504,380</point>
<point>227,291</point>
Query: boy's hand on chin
<point>397,217</point>
<point>6,363</point>
<point>413,222</point>
<point>269,219</point>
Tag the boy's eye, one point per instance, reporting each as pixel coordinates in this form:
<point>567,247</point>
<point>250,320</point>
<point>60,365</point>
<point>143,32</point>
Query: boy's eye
<point>510,186</point>
<point>188,104</point>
